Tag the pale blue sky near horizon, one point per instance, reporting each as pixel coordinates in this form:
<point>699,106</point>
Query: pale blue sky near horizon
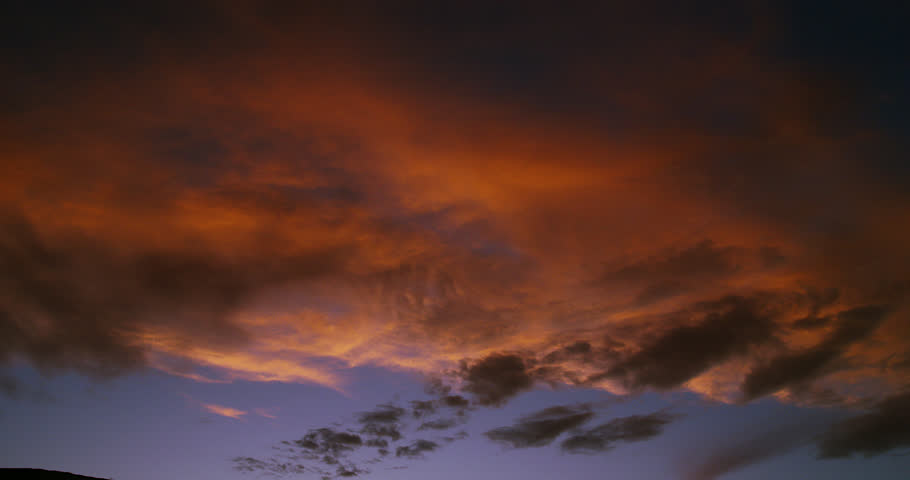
<point>152,425</point>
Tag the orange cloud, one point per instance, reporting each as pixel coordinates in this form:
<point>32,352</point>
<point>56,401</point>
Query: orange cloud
<point>264,412</point>
<point>276,220</point>
<point>224,411</point>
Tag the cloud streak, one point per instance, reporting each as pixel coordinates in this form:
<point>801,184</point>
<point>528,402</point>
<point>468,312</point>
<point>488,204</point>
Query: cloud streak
<point>224,411</point>
<point>854,325</point>
<point>543,427</point>
<point>754,448</point>
<point>604,437</point>
<point>728,327</point>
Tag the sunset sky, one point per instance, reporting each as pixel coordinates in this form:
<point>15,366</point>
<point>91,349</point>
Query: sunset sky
<point>485,241</point>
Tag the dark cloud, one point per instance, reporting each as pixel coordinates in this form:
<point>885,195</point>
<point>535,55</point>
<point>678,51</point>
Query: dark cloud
<point>454,401</point>
<point>328,441</point>
<point>323,451</point>
<point>383,421</point>
<point>885,428</point>
<point>349,471</point>
<point>91,298</point>
<point>440,424</point>
<point>580,349</point>
<point>422,408</point>
<point>416,449</point>
<point>678,271</point>
<point>462,314</point>
<point>251,465</point>
<point>659,291</point>
<point>811,322</point>
<point>741,452</point>
<point>818,299</point>
<point>705,258</point>
<point>495,379</point>
<point>557,366</point>
<point>821,298</point>
<point>437,387</point>
<point>377,443</point>
<point>367,440</point>
<point>853,325</point>
<point>541,428</point>
<point>811,395</point>
<point>382,414</point>
<point>12,387</point>
<point>458,436</point>
<point>729,327</point>
<point>377,430</point>
<point>633,428</point>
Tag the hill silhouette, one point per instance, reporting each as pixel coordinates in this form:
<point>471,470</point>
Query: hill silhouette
<point>38,474</point>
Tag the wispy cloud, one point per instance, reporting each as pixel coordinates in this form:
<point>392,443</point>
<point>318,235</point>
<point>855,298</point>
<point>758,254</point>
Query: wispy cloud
<point>224,411</point>
<point>265,412</point>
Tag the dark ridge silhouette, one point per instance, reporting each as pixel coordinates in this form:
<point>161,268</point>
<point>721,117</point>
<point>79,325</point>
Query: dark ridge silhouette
<point>38,474</point>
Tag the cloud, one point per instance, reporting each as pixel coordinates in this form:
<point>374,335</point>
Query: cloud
<point>496,378</point>
<point>818,299</point>
<point>331,195</point>
<point>369,438</point>
<point>675,272</point>
<point>75,302</point>
<point>313,215</point>
<point>10,386</point>
<point>224,411</point>
<point>265,412</point>
<point>251,465</point>
<point>378,430</point>
<point>461,435</point>
<point>421,408</point>
<point>14,388</point>
<point>728,327</point>
<point>811,323</point>
<point>384,421</point>
<point>416,449</point>
<point>377,442</point>
<point>349,471</point>
<point>541,428</point>
<point>383,414</point>
<point>440,424</point>
<point>326,440</point>
<point>885,428</point>
<point>580,349</point>
<point>853,326</point>
<point>749,449</point>
<point>455,401</point>
<point>633,428</point>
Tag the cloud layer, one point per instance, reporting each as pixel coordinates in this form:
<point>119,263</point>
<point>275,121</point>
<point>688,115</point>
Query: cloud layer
<point>613,197</point>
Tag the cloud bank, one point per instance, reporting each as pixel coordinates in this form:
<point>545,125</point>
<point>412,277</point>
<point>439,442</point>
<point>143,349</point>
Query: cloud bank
<point>679,208</point>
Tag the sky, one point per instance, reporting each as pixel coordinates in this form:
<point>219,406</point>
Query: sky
<point>400,240</point>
